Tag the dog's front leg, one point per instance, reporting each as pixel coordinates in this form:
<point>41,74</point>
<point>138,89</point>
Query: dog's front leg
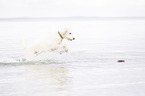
<point>64,48</point>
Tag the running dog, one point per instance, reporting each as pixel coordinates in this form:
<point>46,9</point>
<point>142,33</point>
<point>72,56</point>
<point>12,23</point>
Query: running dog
<point>49,44</point>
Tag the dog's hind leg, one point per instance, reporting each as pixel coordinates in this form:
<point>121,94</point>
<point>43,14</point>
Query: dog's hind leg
<point>30,54</point>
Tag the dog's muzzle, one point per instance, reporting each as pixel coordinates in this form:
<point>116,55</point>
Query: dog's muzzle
<point>71,39</point>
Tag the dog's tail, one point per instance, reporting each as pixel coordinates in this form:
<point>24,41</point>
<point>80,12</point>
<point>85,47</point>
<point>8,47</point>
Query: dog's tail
<point>22,41</point>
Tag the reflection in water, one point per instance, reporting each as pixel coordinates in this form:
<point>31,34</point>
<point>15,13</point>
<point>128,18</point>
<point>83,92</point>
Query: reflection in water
<point>47,78</point>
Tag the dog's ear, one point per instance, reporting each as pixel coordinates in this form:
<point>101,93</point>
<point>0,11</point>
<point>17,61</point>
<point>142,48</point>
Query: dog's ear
<point>64,32</point>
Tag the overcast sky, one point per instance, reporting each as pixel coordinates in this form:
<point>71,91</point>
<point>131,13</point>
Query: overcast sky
<point>69,8</point>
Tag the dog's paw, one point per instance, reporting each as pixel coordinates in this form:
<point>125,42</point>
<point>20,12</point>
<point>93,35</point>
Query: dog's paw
<point>60,52</point>
<point>66,50</point>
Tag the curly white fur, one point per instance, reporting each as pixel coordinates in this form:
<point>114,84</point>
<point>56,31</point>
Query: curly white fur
<point>51,43</point>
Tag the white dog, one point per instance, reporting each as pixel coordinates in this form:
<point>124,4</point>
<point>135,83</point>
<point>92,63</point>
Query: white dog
<point>49,44</point>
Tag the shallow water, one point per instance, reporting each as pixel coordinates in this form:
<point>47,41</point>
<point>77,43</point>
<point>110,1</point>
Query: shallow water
<point>89,69</point>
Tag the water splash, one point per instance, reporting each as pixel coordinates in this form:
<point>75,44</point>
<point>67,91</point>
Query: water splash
<point>48,58</point>
<point>8,60</point>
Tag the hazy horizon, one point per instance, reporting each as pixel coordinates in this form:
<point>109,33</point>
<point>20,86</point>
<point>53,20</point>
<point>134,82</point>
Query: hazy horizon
<point>71,8</point>
<point>71,18</point>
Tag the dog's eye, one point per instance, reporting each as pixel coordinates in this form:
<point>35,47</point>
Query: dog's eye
<point>70,33</point>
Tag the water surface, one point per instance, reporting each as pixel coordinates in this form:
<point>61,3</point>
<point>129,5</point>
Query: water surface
<point>89,69</point>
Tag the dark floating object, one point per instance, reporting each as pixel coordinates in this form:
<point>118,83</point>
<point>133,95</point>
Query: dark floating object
<point>121,61</point>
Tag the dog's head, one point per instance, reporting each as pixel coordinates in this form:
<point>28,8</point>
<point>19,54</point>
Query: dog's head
<point>67,34</point>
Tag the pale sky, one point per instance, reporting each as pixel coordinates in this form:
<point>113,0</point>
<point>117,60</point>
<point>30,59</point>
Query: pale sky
<point>69,8</point>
